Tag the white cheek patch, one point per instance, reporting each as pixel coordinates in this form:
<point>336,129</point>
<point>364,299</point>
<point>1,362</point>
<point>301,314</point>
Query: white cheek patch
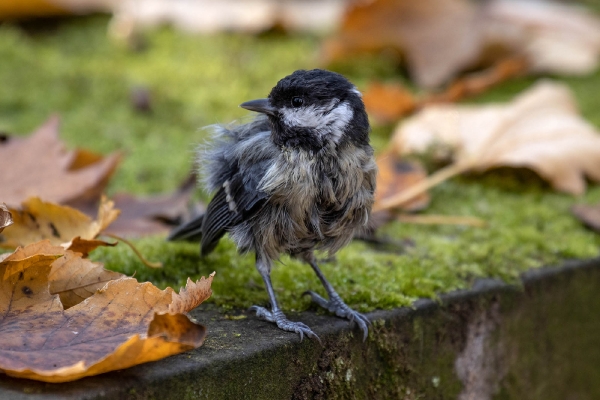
<point>329,123</point>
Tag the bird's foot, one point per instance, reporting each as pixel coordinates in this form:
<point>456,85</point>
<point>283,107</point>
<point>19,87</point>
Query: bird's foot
<point>336,305</point>
<point>279,318</point>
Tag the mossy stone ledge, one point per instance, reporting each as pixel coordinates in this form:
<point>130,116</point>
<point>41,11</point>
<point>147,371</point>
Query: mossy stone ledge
<point>494,341</point>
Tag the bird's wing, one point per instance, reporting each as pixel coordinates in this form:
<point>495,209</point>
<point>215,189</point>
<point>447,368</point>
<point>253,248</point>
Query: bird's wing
<point>237,200</point>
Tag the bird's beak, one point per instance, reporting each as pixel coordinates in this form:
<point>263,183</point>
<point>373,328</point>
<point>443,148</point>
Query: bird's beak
<point>260,105</point>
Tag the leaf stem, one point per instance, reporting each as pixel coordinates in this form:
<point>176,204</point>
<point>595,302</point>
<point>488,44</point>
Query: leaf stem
<point>442,220</point>
<point>144,261</point>
<point>411,192</point>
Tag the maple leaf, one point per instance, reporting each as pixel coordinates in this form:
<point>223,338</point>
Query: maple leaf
<point>75,278</point>
<point>540,129</point>
<point>5,217</point>
<point>37,220</point>
<point>39,165</point>
<point>123,324</point>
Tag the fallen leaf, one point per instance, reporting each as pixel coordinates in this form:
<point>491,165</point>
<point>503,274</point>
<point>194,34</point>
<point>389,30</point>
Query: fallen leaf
<point>123,324</point>
<point>439,39</point>
<point>395,175</point>
<point>541,129</point>
<point>40,248</point>
<point>148,215</point>
<point>12,9</point>
<point>75,278</point>
<point>388,102</point>
<point>39,165</point>
<point>208,16</point>
<point>141,216</point>
<point>38,220</point>
<point>190,296</point>
<point>5,217</point>
<point>589,215</point>
<point>555,38</point>
<point>86,246</point>
<point>478,82</point>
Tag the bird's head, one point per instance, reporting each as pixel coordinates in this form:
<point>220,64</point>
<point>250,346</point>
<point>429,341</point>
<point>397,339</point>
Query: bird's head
<point>313,109</point>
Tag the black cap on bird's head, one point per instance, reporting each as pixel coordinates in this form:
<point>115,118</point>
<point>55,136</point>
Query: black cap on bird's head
<point>310,109</point>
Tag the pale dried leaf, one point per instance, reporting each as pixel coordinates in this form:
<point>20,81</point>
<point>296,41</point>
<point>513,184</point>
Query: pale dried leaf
<point>208,16</point>
<point>192,295</point>
<point>541,129</point>
<point>75,278</point>
<point>556,38</point>
<point>44,247</point>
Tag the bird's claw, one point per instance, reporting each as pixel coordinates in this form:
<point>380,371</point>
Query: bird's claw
<point>279,318</point>
<point>336,305</point>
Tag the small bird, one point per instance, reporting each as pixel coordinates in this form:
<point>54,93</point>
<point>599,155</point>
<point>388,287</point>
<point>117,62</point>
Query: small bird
<point>299,177</point>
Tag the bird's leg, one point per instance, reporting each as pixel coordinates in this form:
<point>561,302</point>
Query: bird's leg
<point>335,303</point>
<point>276,315</point>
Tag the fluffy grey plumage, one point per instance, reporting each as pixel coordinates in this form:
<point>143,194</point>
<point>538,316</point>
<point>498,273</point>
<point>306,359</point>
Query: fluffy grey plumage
<point>300,177</point>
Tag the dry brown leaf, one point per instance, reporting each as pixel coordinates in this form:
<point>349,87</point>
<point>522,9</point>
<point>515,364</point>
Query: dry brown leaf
<point>478,82</point>
<point>39,165</point>
<point>6,218</point>
<point>123,324</point>
<point>149,215</point>
<point>589,215</point>
<point>541,129</point>
<point>75,278</point>
<point>439,39</point>
<point>395,175</point>
<point>152,215</point>
<point>13,9</point>
<point>388,102</point>
<point>86,246</point>
<point>38,220</point>
<point>190,296</point>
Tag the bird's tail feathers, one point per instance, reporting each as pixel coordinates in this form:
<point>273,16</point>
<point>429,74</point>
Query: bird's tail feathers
<point>190,231</point>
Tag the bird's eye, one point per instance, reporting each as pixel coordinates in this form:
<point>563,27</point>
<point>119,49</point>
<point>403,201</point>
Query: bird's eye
<point>297,101</point>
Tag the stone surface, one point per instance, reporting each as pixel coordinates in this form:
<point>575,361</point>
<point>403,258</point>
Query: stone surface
<point>496,341</point>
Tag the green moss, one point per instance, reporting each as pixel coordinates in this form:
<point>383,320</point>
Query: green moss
<point>74,69</point>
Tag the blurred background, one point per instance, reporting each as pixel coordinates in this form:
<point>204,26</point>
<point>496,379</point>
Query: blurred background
<point>143,76</point>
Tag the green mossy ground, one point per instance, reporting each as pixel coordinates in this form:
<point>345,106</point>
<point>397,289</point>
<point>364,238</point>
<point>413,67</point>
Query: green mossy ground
<point>72,68</point>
